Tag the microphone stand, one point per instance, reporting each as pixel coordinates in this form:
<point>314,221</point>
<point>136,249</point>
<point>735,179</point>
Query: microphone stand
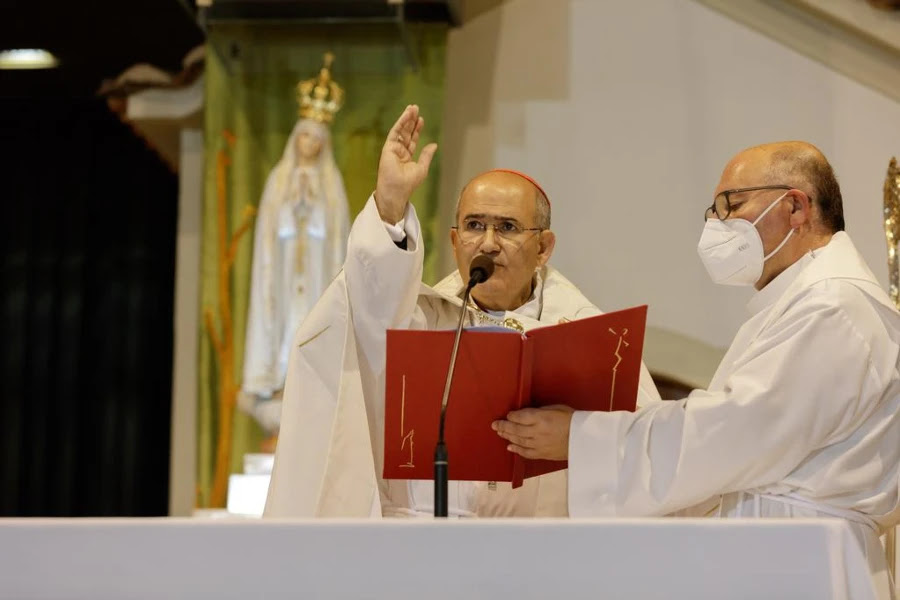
<point>440,450</point>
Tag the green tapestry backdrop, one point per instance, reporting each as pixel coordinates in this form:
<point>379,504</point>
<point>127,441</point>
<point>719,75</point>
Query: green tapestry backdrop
<point>250,110</point>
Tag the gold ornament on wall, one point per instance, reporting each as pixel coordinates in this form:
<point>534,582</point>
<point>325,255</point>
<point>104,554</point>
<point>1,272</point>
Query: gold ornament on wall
<point>892,232</point>
<point>892,227</point>
<point>320,98</point>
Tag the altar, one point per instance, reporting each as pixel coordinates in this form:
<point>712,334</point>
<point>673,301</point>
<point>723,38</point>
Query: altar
<point>246,558</point>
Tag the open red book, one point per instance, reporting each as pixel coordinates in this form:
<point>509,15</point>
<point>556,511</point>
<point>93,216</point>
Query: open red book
<point>589,364</point>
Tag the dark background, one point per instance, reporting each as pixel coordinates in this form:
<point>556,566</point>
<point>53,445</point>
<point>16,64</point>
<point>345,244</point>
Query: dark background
<point>87,242</point>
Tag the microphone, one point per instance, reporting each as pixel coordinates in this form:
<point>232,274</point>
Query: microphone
<point>480,270</point>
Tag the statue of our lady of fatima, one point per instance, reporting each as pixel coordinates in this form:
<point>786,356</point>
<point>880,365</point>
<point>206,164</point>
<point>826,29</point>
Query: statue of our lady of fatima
<point>301,236</point>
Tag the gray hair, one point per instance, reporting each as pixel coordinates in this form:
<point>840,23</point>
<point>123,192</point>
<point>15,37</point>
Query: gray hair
<point>803,163</point>
<point>541,210</point>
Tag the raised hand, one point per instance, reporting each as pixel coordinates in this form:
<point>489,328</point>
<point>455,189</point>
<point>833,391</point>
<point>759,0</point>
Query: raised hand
<point>399,174</point>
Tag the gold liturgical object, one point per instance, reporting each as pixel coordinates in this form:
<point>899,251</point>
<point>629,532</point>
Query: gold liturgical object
<point>892,232</point>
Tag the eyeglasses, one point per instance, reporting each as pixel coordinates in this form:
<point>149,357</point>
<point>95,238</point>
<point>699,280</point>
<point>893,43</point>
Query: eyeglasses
<point>473,230</point>
<point>722,206</point>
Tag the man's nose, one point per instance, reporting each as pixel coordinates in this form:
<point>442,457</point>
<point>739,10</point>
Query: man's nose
<point>489,243</point>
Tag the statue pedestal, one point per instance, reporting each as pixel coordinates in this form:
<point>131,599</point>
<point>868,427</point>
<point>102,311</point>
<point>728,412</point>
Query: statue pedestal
<point>247,491</point>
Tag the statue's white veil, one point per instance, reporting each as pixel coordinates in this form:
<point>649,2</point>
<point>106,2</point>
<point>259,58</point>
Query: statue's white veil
<point>270,300</point>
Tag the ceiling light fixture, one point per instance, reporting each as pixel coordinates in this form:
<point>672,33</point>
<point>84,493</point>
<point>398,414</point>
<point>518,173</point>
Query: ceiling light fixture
<point>27,58</point>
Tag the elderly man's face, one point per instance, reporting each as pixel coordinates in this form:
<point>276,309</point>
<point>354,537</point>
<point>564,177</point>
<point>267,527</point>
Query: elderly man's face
<point>748,169</point>
<point>507,202</point>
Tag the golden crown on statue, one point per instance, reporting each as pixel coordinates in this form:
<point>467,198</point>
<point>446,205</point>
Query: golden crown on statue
<point>320,97</point>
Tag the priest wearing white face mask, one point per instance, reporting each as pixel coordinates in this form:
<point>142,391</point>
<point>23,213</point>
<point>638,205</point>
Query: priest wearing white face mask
<point>328,461</point>
<point>802,418</point>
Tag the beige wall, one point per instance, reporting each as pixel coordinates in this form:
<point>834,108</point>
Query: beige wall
<point>183,459</point>
<point>626,112</point>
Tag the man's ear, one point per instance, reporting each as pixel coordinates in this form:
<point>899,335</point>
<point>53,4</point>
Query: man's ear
<point>801,209</point>
<point>547,242</point>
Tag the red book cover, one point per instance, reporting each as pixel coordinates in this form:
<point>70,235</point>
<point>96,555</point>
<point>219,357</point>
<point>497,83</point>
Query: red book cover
<point>588,364</point>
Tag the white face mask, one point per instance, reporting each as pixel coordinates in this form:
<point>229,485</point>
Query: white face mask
<point>732,250</point>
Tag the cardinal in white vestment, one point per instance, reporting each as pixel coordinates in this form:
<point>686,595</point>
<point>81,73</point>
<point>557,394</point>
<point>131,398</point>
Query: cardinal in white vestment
<point>328,460</point>
<point>802,418</point>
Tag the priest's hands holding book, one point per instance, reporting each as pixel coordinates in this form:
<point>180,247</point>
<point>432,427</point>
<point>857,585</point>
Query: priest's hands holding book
<point>537,432</point>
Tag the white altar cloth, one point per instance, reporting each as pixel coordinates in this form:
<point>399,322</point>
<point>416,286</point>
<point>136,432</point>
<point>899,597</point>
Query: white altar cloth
<point>400,560</point>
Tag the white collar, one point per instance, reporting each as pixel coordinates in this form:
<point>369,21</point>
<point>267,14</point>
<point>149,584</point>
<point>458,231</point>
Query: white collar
<point>531,308</point>
<point>558,298</point>
<point>767,296</point>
